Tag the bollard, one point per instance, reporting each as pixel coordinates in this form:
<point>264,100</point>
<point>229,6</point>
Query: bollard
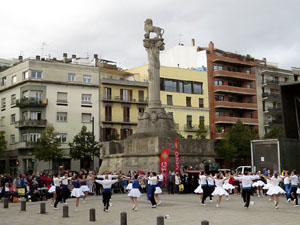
<point>160,220</point>
<point>93,215</point>
<point>43,208</point>
<point>23,205</point>
<point>5,201</point>
<point>123,218</point>
<point>65,211</point>
<point>204,222</point>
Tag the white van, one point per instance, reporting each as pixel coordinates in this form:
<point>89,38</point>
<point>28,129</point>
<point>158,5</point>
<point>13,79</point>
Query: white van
<point>243,169</point>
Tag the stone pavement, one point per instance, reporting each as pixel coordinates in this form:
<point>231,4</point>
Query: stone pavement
<point>183,210</point>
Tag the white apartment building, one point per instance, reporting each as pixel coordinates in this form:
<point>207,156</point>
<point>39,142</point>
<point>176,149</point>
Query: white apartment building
<point>37,92</point>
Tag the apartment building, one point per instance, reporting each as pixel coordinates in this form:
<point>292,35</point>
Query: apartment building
<point>184,92</point>
<point>38,92</point>
<point>231,83</point>
<point>123,97</point>
<point>268,79</point>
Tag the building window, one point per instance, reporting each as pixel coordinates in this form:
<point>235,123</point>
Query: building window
<point>169,100</point>
<point>12,118</point>
<point>197,88</point>
<point>107,93</point>
<point>141,96</point>
<point>249,86</point>
<point>62,97</point>
<point>219,98</point>
<point>201,103</point>
<point>126,132</point>
<point>126,95</point>
<point>3,81</point>
<point>34,137</point>
<point>170,85</point>
<point>219,82</point>
<point>62,117</point>
<point>248,71</point>
<point>25,115</point>
<point>250,115</point>
<point>14,79</point>
<point>86,99</point>
<point>12,139</point>
<point>187,87</point>
<point>188,102</point>
<point>71,77</point>
<point>2,121</point>
<point>220,129</point>
<point>25,75</point>
<point>218,67</point>
<point>36,75</point>
<point>13,99</point>
<point>61,138</point>
<point>108,113</point>
<point>3,104</point>
<point>220,113</point>
<point>35,116</point>
<point>126,114</point>
<point>189,121</point>
<point>86,117</point>
<point>190,137</point>
<point>141,110</point>
<point>87,79</point>
<point>201,121</point>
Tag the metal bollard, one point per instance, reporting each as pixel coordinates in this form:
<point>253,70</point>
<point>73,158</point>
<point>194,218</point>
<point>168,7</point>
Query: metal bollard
<point>5,201</point>
<point>204,222</point>
<point>123,218</point>
<point>93,214</point>
<point>43,208</point>
<point>23,205</point>
<point>160,220</point>
<point>65,211</point>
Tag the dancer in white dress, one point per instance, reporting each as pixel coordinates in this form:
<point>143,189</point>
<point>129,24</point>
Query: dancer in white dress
<point>135,193</point>
<point>268,185</point>
<point>274,189</point>
<point>259,185</point>
<point>158,189</point>
<point>76,192</point>
<point>228,187</point>
<point>219,190</point>
<point>199,189</point>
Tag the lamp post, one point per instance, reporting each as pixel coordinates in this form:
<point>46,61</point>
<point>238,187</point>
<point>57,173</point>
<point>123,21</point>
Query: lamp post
<point>93,134</point>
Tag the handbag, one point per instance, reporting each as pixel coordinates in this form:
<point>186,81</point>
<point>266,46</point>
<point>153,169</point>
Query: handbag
<point>181,187</point>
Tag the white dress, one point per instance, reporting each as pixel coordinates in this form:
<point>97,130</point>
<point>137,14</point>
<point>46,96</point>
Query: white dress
<point>268,185</point>
<point>52,189</point>
<point>199,189</point>
<point>258,183</point>
<point>129,187</point>
<point>228,186</point>
<point>219,190</point>
<point>77,193</point>
<point>298,190</point>
<point>274,188</point>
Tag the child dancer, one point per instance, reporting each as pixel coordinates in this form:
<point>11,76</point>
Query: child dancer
<point>158,187</point>
<point>204,186</point>
<point>259,185</point>
<point>211,186</point>
<point>52,191</point>
<point>199,189</point>
<point>219,190</point>
<point>294,186</point>
<point>228,187</point>
<point>76,192</point>
<point>268,185</point>
<point>274,189</point>
<point>135,193</point>
<point>84,188</point>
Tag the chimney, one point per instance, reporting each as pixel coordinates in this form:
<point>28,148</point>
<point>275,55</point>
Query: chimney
<point>95,60</point>
<point>193,42</point>
<point>54,59</point>
<point>73,56</point>
<point>65,57</point>
<point>20,58</point>
<point>211,46</point>
<point>37,57</point>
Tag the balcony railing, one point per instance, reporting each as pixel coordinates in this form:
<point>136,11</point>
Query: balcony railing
<point>232,120</point>
<point>191,127</point>
<point>34,102</point>
<point>271,82</point>
<point>237,75</point>
<point>31,123</point>
<point>271,95</point>
<point>233,89</point>
<point>237,105</point>
<point>274,110</point>
<point>128,100</point>
<point>24,145</point>
<point>275,122</point>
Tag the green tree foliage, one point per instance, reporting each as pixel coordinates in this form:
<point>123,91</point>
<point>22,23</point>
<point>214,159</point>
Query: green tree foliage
<point>3,143</point>
<point>84,147</point>
<point>237,142</point>
<point>275,132</point>
<point>202,132</point>
<point>48,148</point>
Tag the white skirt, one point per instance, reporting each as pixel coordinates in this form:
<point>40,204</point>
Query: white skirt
<point>228,187</point>
<point>267,186</point>
<point>129,186</point>
<point>198,190</point>
<point>258,184</point>
<point>219,191</point>
<point>134,192</point>
<point>298,190</point>
<point>275,190</point>
<point>158,190</point>
<point>84,188</point>
<point>77,192</point>
<point>52,189</point>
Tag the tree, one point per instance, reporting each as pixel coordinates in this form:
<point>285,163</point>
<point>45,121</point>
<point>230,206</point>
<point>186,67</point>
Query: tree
<point>84,147</point>
<point>47,148</point>
<point>275,132</point>
<point>3,142</point>
<point>202,132</point>
<point>226,149</point>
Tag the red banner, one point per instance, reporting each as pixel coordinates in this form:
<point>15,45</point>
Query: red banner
<point>176,156</point>
<point>164,160</point>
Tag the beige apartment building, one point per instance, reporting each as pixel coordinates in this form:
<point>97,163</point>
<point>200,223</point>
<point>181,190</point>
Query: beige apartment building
<point>38,92</point>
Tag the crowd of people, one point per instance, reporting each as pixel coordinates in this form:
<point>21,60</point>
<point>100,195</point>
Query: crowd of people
<point>57,188</point>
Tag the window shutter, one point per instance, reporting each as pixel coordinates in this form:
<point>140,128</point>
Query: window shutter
<point>130,95</point>
<point>121,94</point>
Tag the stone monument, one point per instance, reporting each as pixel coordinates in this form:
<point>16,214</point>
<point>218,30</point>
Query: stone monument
<point>154,121</point>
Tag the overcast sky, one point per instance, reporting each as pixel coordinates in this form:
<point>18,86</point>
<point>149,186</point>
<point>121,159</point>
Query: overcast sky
<point>114,28</point>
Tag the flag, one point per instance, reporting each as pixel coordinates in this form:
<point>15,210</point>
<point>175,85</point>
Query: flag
<point>164,160</point>
<point>176,156</point>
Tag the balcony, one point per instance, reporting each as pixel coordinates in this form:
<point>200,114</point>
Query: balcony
<point>233,120</point>
<point>236,75</point>
<point>31,102</point>
<point>234,60</point>
<point>220,135</point>
<point>273,110</point>
<point>120,122</point>
<point>235,90</point>
<point>271,83</point>
<point>24,145</point>
<point>275,122</point>
<point>31,123</point>
<point>271,96</point>
<point>129,100</point>
<point>236,105</point>
<point>191,127</point>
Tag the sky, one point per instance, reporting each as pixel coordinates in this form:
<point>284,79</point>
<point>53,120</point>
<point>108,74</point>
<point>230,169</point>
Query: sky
<point>114,29</point>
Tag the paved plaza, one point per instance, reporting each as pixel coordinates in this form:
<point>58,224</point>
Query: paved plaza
<point>183,210</point>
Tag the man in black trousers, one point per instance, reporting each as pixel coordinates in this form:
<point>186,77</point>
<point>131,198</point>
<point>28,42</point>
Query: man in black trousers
<point>171,182</point>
